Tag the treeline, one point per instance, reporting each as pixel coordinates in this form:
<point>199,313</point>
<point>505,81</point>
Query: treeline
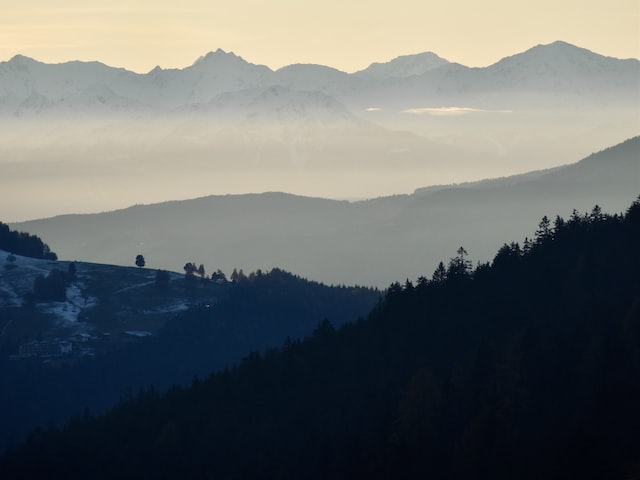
<point>528,368</point>
<point>237,276</point>
<point>261,309</point>
<point>22,243</point>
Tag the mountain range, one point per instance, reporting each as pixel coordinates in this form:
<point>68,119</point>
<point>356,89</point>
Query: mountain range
<point>482,369</point>
<point>30,87</point>
<point>224,125</point>
<point>372,242</point>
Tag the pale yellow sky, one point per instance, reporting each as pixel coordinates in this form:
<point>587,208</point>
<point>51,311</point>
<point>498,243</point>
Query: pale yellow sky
<point>345,34</point>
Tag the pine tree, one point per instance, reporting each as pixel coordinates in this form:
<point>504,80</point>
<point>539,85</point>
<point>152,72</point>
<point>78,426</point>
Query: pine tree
<point>201,271</point>
<point>544,230</point>
<point>459,266</point>
<point>440,274</point>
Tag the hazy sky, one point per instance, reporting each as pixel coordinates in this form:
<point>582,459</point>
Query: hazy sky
<point>348,35</point>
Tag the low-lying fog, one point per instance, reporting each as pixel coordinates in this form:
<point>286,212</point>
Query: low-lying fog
<point>57,165</point>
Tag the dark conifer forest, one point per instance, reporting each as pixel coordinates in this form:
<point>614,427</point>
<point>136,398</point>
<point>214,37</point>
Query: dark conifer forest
<point>224,321</point>
<point>525,368</point>
<point>22,243</point>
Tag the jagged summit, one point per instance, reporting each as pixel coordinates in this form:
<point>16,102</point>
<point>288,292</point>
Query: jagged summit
<point>219,56</point>
<point>400,67</point>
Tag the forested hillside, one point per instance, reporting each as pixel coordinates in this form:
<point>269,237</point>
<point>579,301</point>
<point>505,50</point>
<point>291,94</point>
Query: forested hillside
<point>526,368</point>
<point>22,243</point>
<point>118,330</point>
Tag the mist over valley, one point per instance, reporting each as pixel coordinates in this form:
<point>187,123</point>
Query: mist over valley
<point>90,138</point>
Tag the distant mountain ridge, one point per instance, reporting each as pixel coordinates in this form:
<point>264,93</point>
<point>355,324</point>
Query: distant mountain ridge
<point>370,242</point>
<point>116,138</point>
<point>558,65</point>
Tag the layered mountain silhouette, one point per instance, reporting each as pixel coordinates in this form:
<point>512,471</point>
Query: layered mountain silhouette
<point>224,125</point>
<point>558,67</point>
<point>371,242</point>
<point>525,368</point>
<point>485,347</point>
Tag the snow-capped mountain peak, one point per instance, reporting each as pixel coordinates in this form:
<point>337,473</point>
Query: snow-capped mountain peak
<point>560,56</point>
<point>29,87</point>
<point>220,59</point>
<point>404,66</point>
<point>561,66</point>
